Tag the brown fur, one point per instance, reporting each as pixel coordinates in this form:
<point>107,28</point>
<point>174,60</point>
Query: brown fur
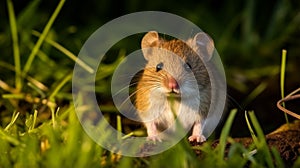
<point>150,96</point>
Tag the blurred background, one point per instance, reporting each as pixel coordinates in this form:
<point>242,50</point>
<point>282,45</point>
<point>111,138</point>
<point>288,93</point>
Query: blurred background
<point>249,37</point>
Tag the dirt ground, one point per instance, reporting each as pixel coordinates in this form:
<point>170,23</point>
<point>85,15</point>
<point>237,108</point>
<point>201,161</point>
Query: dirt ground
<point>286,139</point>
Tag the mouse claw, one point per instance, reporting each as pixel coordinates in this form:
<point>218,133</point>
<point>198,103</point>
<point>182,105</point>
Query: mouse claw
<point>197,138</point>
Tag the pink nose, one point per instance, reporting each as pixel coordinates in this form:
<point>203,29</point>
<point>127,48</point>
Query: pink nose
<point>173,84</point>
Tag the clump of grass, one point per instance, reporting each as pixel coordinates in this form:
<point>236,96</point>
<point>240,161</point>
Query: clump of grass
<point>264,155</point>
<point>48,145</point>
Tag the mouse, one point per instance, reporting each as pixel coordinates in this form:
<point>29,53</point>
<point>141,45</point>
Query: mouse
<point>166,85</point>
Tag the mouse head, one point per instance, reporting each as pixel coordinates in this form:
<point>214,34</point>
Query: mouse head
<point>202,44</point>
<point>174,67</point>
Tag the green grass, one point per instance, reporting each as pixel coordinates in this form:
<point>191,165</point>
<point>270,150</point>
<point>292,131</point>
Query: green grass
<point>62,142</point>
<point>282,79</point>
<point>16,50</point>
<point>42,37</point>
<point>39,126</point>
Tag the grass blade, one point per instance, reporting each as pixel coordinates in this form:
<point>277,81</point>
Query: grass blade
<point>257,91</point>
<point>119,126</point>
<point>9,138</point>
<point>282,79</point>
<point>66,52</point>
<point>261,143</point>
<point>250,128</point>
<point>38,44</point>
<point>33,120</point>
<point>224,134</point>
<point>29,78</point>
<point>277,157</point>
<point>24,19</point>
<point>15,43</point>
<point>13,120</point>
<point>65,79</point>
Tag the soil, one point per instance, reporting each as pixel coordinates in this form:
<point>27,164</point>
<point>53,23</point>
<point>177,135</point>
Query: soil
<point>286,139</point>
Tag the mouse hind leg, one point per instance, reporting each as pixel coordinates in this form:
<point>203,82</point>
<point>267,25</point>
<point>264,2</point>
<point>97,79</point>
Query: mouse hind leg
<point>197,133</point>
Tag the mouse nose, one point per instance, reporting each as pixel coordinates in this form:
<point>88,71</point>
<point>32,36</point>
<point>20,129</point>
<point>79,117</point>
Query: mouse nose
<point>172,83</point>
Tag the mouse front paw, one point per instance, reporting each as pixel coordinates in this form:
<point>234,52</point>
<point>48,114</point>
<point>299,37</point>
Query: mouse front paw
<point>154,138</point>
<point>197,138</point>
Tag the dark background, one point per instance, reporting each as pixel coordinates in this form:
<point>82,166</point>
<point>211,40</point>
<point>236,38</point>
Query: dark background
<point>249,36</point>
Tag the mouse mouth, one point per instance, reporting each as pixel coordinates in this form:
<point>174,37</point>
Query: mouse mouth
<point>174,93</point>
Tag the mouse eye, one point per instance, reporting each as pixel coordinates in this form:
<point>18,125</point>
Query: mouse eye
<point>187,67</point>
<point>159,66</point>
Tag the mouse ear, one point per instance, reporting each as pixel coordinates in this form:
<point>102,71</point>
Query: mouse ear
<point>204,45</point>
<point>151,39</point>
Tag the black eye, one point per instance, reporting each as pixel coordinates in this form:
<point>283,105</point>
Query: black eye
<point>187,67</point>
<point>159,66</point>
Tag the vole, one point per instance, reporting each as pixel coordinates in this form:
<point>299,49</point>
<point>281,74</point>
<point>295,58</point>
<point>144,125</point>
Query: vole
<point>166,84</point>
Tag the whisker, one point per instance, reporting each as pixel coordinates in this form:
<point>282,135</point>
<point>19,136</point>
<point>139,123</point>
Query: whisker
<point>153,75</point>
<point>132,84</point>
<point>132,94</point>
